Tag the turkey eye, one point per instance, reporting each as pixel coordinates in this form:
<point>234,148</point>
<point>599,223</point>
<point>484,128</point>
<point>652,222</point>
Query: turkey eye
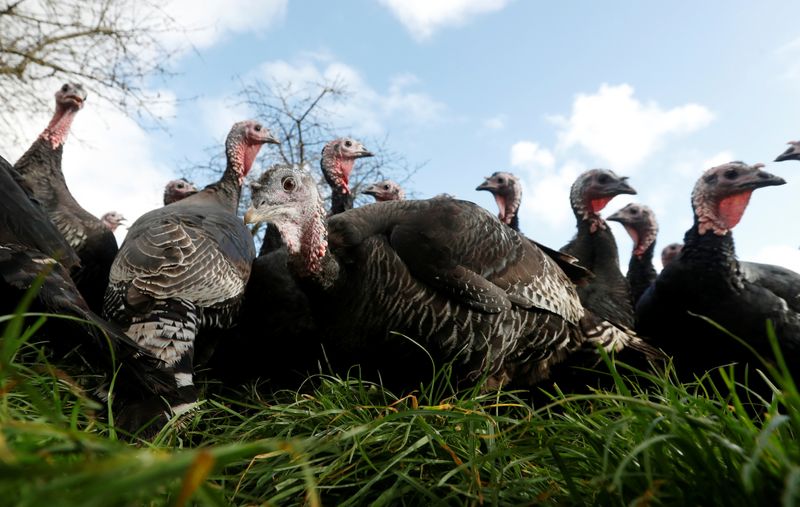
<point>64,88</point>
<point>634,211</point>
<point>501,180</point>
<point>288,184</point>
<point>348,144</point>
<point>604,179</point>
<point>180,186</point>
<point>257,128</point>
<point>731,174</point>
<point>386,187</point>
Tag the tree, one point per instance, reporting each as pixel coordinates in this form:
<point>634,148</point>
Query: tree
<point>111,46</point>
<point>304,118</point>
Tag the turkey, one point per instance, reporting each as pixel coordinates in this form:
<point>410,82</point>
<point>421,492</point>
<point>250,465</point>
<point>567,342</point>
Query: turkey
<point>791,153</point>
<point>669,253</point>
<point>444,274</point>
<point>706,280</point>
<point>640,223</point>
<point>111,220</point>
<point>40,169</point>
<point>386,190</point>
<point>338,158</point>
<point>608,294</point>
<point>507,191</point>
<point>183,268</point>
<point>178,189</point>
<point>30,250</point>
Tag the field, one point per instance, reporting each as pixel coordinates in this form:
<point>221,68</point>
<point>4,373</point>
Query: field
<point>341,441</point>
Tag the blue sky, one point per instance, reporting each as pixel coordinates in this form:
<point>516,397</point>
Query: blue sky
<point>656,91</point>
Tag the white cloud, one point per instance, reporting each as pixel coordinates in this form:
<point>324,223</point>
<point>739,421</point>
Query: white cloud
<point>365,109</point>
<point>530,155</point>
<point>206,23</point>
<point>423,17</point>
<point>220,113</point>
<point>782,255</point>
<point>546,195</point>
<point>495,122</point>
<point>621,130</point>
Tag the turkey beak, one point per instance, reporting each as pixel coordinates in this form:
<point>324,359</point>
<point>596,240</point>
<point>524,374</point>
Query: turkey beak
<point>616,217</point>
<point>789,154</point>
<point>364,153</point>
<point>760,179</point>
<point>271,139</point>
<point>487,185</point>
<point>371,190</point>
<point>251,215</point>
<point>622,187</point>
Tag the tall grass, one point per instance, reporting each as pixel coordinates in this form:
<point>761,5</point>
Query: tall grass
<point>646,440</point>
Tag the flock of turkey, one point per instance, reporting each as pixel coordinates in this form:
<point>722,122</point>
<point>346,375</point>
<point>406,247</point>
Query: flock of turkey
<point>392,286</point>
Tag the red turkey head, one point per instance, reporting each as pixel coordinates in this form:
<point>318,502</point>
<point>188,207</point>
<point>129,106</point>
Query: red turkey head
<point>338,158</point>
<point>112,220</point>
<point>244,141</point>
<point>640,223</point>
<point>177,190</point>
<point>670,253</point>
<point>69,100</point>
<point>792,153</point>
<point>507,192</point>
<point>386,190</point>
<point>721,195</point>
<point>591,192</point>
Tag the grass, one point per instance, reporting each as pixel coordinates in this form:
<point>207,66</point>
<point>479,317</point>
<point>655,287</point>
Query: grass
<point>343,441</point>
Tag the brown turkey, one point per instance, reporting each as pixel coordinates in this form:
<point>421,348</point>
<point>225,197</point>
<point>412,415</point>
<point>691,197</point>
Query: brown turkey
<point>400,282</point>
<point>34,254</point>
<point>183,268</point>
<point>40,168</point>
<point>178,189</point>
<point>641,225</point>
<point>707,280</point>
<point>386,190</point>
<point>608,293</point>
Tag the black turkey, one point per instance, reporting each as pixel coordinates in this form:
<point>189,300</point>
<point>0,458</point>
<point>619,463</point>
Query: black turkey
<point>386,190</point>
<point>40,168</point>
<point>507,191</point>
<point>338,158</point>
<point>640,223</point>
<point>706,280</point>
<point>440,274</point>
<point>670,253</point>
<point>112,219</point>
<point>607,294</point>
<point>184,267</point>
<point>791,153</point>
<point>178,189</point>
<point>30,250</point>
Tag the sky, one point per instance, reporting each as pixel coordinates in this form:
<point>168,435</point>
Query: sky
<point>657,91</point>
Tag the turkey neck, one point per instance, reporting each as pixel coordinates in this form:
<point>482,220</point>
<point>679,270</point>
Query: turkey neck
<point>714,254</point>
<point>641,272</point>
<point>309,256</point>
<point>596,249</point>
<point>43,158</point>
<point>514,222</point>
<point>55,134</point>
<point>229,186</point>
<point>337,173</point>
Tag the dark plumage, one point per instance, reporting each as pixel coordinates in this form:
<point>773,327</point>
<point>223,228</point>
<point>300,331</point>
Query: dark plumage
<point>607,294</point>
<point>640,223</point>
<point>706,279</point>
<point>507,191</point>
<point>184,267</point>
<point>40,169</point>
<point>441,272</point>
<point>29,247</point>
